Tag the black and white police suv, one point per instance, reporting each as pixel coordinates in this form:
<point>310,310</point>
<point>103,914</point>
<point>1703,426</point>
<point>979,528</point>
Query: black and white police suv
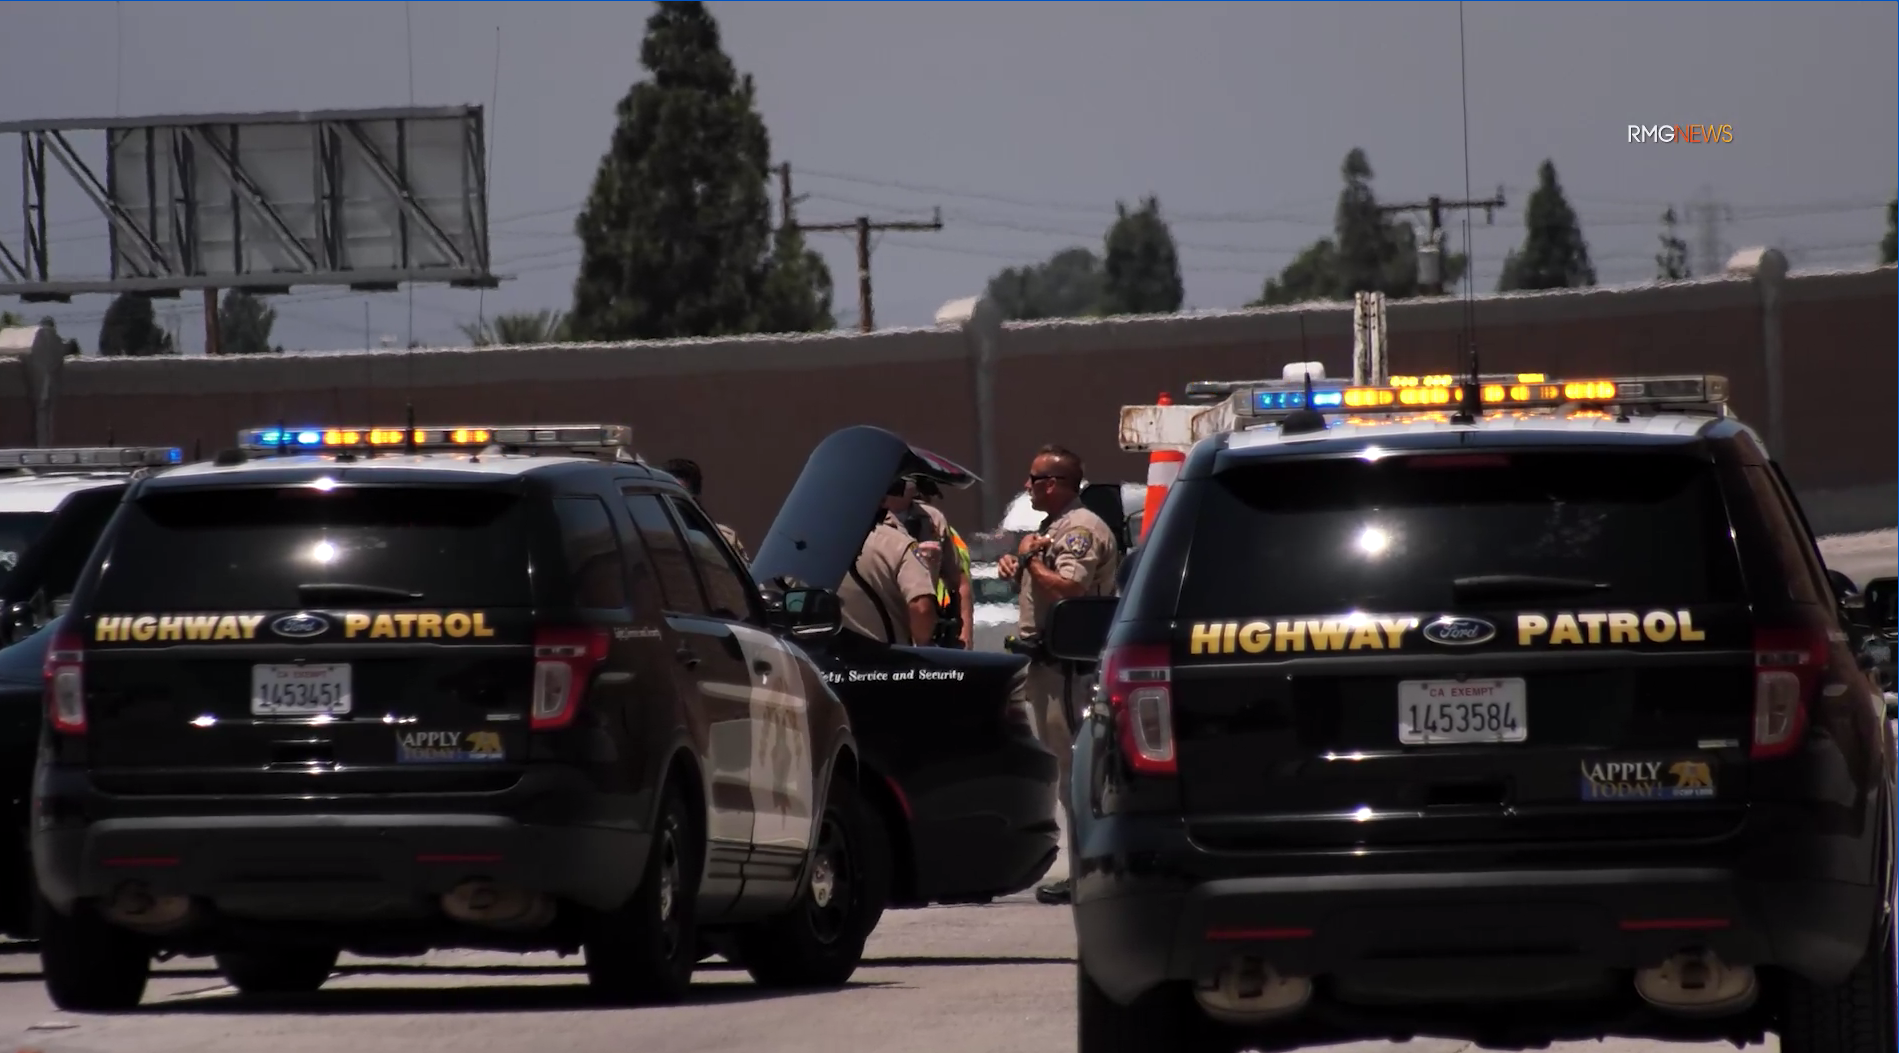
<point>1513,719</point>
<point>384,690</point>
<point>53,503</point>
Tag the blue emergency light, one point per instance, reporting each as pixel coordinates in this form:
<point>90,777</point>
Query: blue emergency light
<point>79,458</point>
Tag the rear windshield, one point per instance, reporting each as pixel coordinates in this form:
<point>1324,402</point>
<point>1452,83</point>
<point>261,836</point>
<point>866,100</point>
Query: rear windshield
<point>1395,534</point>
<point>18,531</point>
<point>251,549</point>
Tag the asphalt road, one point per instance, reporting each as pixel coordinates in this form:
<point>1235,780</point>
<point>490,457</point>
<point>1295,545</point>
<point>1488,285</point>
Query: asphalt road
<point>995,979</point>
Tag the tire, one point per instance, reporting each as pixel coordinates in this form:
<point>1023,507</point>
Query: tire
<point>644,953</point>
<point>89,964</point>
<point>283,970</point>
<point>820,941</point>
<point>1163,1020</point>
<point>1854,1017</point>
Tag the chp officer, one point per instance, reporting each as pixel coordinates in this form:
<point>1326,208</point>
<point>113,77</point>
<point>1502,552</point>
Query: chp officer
<point>948,559</point>
<point>689,476</point>
<point>1072,554</point>
<point>889,594</point>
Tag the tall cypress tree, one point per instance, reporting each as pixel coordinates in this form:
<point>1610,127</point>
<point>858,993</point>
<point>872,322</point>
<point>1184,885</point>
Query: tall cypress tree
<point>676,236</point>
<point>1141,265</point>
<point>1554,254</point>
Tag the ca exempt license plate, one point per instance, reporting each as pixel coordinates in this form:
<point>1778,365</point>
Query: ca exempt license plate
<point>1449,712</point>
<point>303,690</point>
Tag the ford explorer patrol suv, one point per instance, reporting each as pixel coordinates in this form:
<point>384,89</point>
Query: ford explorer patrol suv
<point>1510,711</point>
<point>392,689</point>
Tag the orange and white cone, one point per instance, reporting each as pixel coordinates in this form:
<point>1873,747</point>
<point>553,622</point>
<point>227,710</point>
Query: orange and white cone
<point>1163,467</point>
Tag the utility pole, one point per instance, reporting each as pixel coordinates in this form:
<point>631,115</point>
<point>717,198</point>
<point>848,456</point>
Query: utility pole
<point>863,227</point>
<point>211,340</point>
<point>1432,278</point>
<point>1707,215</point>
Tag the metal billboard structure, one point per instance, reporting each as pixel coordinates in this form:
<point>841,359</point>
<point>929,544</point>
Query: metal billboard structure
<point>369,199</point>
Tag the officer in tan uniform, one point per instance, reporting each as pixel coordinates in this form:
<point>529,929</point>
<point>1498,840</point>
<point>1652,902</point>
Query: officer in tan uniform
<point>689,476</point>
<point>889,594</point>
<point>1073,554</point>
<point>945,555</point>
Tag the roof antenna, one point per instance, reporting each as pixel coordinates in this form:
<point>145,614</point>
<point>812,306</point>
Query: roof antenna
<point>1304,419</point>
<point>1472,408</point>
<point>408,435</point>
<point>1308,398</point>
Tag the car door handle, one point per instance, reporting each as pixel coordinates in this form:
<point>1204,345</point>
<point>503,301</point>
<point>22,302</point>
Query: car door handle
<point>686,655</point>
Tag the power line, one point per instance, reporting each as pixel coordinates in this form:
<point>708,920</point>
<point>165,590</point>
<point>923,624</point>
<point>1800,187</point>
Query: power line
<point>863,227</point>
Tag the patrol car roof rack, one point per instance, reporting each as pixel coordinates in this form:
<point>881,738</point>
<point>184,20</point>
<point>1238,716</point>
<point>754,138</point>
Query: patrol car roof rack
<point>606,441</point>
<point>50,460</point>
<point>1270,402</point>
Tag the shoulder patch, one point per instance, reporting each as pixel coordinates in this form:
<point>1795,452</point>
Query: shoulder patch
<point>1077,543</point>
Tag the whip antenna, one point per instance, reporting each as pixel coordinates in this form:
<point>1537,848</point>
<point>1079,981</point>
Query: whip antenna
<point>1472,407</point>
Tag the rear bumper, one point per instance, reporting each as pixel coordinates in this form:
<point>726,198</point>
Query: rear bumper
<point>1473,935</point>
<point>321,864</point>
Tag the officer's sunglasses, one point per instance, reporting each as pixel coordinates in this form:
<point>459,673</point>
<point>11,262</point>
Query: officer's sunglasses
<point>1050,479</point>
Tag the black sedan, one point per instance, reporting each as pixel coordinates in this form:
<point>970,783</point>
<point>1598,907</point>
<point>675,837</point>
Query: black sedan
<point>964,783</point>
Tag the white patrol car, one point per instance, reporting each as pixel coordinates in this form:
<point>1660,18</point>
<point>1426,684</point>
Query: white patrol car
<point>38,488</point>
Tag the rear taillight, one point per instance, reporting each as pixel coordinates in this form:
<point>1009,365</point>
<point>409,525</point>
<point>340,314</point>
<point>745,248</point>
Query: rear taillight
<point>65,670</point>
<point>1788,665</point>
<point>564,659</point>
<point>1137,680</point>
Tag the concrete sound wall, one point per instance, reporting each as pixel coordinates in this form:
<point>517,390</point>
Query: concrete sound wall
<point>750,409</point>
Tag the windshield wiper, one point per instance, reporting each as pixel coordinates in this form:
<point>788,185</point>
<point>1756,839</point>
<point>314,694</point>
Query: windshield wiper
<point>319,591</point>
<point>1494,585</point>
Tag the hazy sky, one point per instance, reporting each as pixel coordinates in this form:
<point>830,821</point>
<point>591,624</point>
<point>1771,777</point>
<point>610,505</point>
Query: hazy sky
<point>1026,122</point>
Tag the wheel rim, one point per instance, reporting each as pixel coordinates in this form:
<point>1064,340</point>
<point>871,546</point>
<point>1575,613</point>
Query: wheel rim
<point>669,883</point>
<point>835,887</point>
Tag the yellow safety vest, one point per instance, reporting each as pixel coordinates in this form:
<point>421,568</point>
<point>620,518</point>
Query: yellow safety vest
<point>943,597</point>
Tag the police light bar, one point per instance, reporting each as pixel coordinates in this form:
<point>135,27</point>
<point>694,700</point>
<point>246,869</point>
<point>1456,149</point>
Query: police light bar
<point>72,458</point>
<point>533,436</point>
<point>1412,394</point>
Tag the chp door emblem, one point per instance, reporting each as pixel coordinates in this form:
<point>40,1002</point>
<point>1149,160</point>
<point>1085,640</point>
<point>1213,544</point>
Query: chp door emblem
<point>300,626</point>
<point>1451,631</point>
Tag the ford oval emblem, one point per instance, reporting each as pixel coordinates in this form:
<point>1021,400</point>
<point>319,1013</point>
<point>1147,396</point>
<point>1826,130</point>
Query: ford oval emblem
<point>1460,632</point>
<point>301,625</point>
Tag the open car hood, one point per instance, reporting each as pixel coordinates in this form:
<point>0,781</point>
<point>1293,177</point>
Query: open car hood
<point>831,508</point>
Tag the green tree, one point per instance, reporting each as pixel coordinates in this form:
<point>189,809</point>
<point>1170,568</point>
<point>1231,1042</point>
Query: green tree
<point>1554,254</point>
<point>1889,245</point>
<point>1369,251</point>
<point>244,324</point>
<point>518,328</point>
<point>1069,284</point>
<point>1141,266</point>
<point>9,320</point>
<point>130,328</point>
<point>1671,264</point>
<point>676,236</point>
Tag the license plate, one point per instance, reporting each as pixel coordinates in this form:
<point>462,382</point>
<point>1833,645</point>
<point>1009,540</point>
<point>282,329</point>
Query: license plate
<point>1449,712</point>
<point>300,690</point>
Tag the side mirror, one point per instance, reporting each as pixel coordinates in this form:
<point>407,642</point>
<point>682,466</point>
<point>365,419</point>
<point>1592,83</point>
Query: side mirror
<point>812,614</point>
<point>1078,627</point>
<point>1877,598</point>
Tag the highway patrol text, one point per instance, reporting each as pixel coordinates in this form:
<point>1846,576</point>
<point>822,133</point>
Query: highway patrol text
<point>357,625</point>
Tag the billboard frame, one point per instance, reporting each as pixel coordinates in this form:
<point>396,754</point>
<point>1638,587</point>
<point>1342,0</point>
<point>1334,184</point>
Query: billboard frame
<point>392,196</point>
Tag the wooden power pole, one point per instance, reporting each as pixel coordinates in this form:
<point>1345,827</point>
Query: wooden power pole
<point>1434,207</point>
<point>863,227</point>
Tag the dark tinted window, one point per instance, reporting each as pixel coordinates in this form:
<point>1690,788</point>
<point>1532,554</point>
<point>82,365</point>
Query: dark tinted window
<point>1800,571</point>
<point>249,549</point>
<point>726,587</point>
<point>1393,534</point>
<point>593,553</point>
<point>18,531</point>
<point>668,553</point>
